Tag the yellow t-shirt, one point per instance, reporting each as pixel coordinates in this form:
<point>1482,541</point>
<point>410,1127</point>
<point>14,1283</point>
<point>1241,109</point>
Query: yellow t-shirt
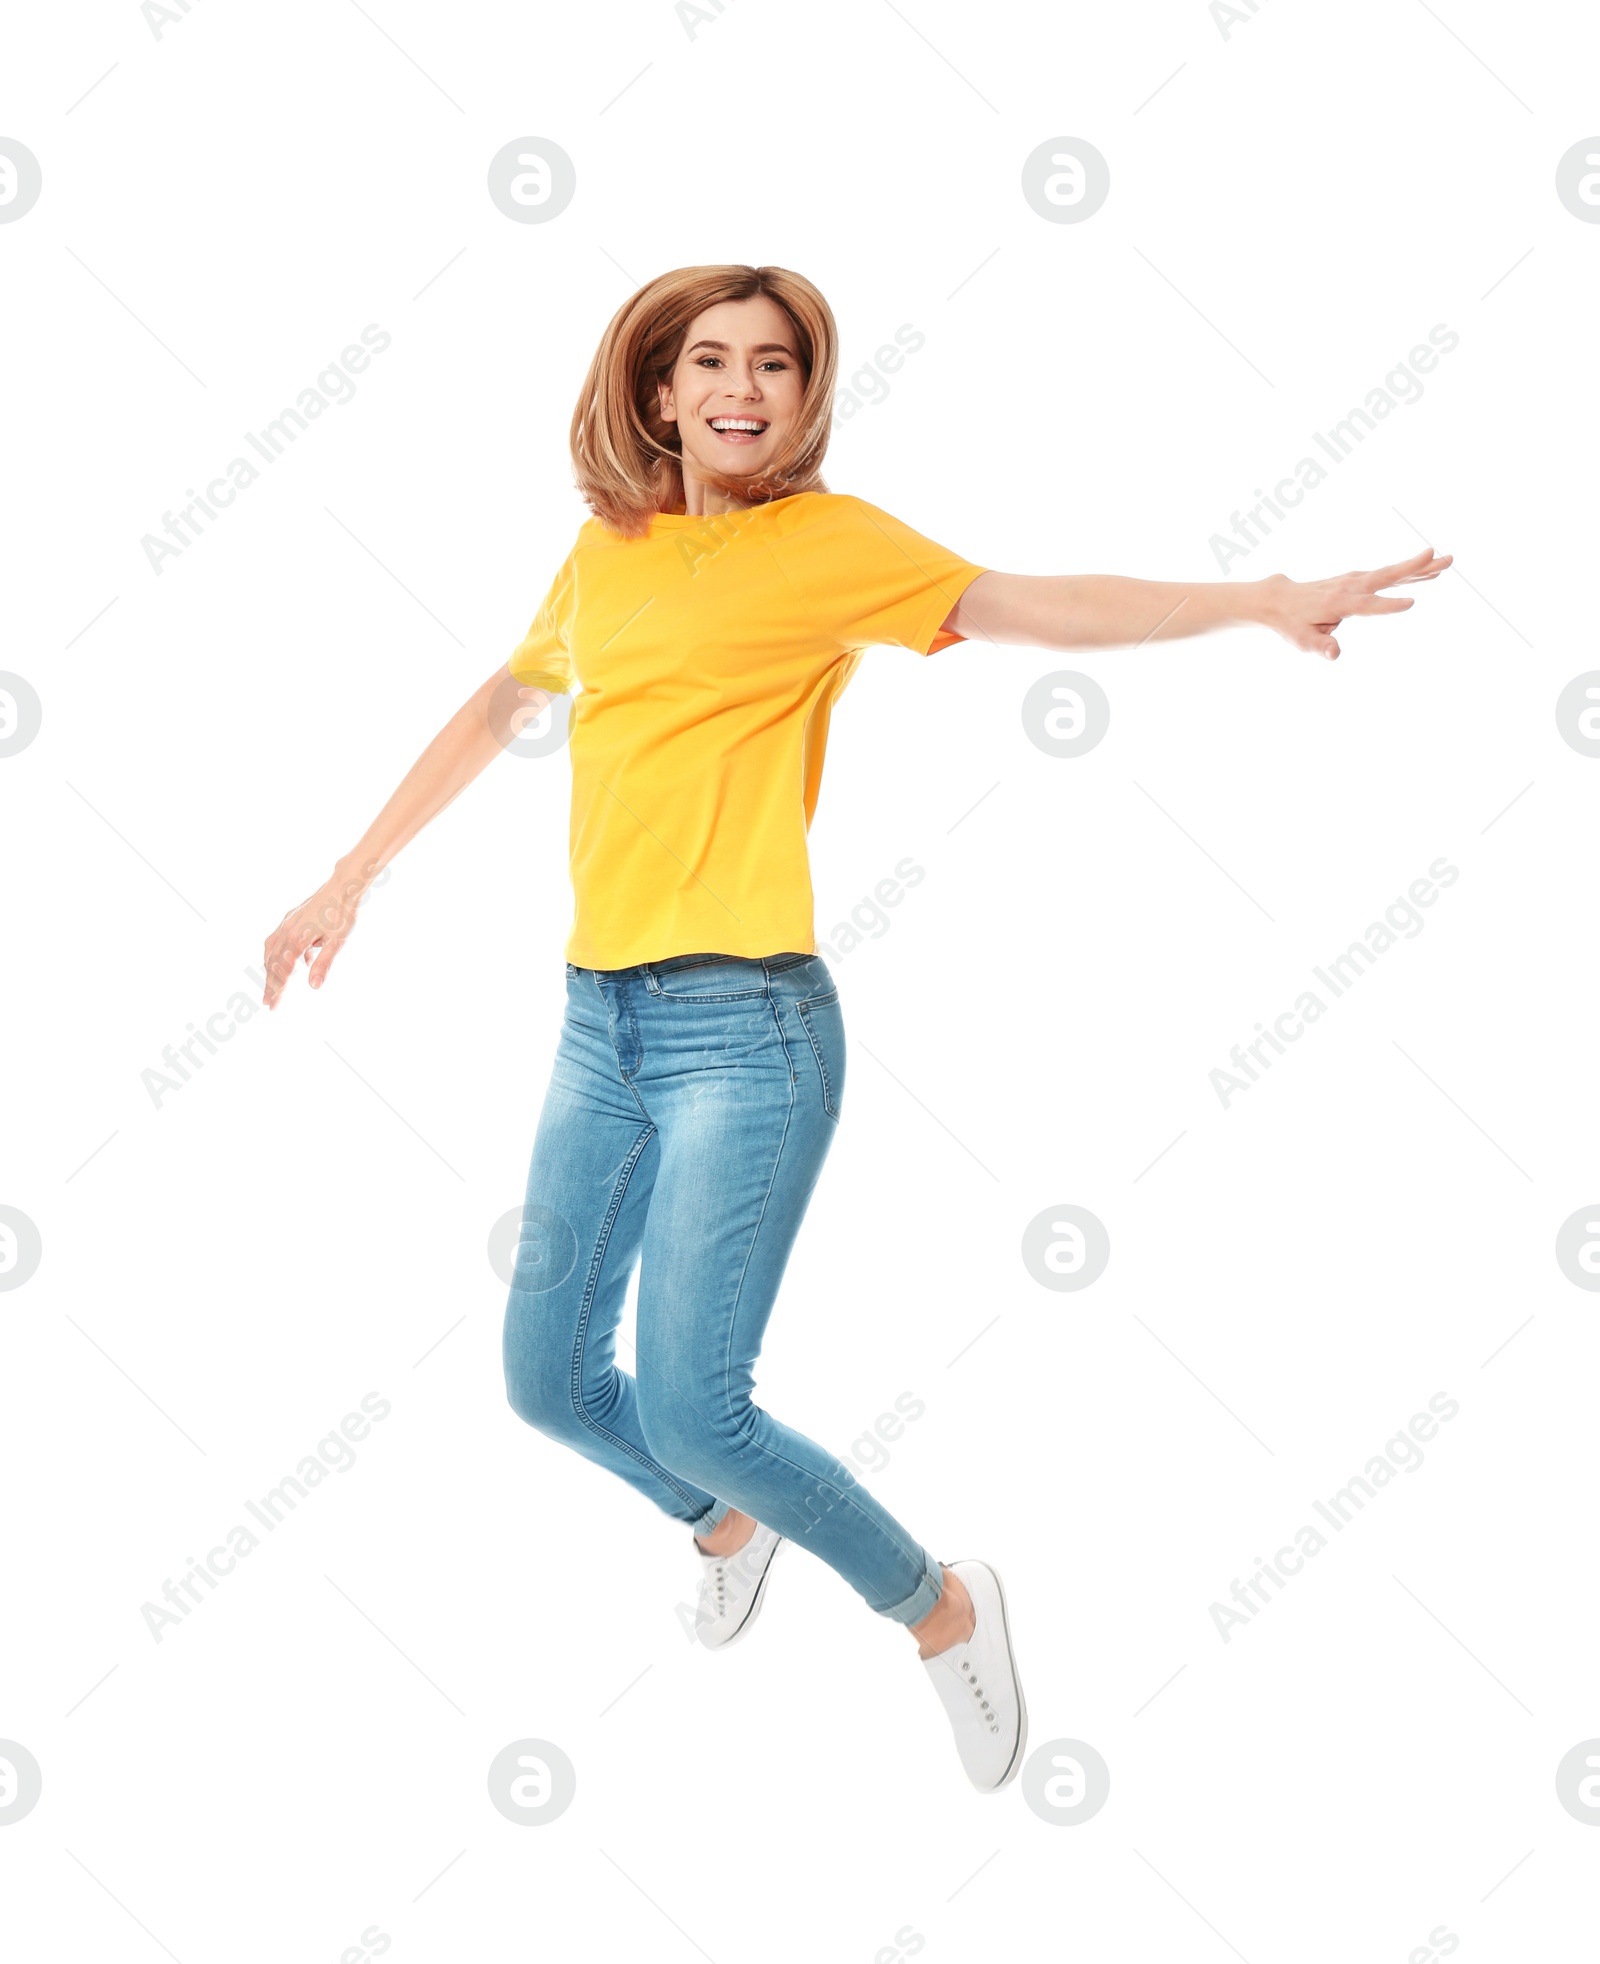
<point>704,661</point>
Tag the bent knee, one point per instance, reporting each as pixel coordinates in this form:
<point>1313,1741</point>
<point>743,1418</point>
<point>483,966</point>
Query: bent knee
<point>539,1387</point>
<point>542,1392</point>
<point>687,1437</point>
<point>541,1401</point>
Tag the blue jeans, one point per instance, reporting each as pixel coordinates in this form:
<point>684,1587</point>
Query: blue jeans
<point>689,1111</point>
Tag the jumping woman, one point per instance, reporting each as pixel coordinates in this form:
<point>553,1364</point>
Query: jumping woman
<point>703,625</point>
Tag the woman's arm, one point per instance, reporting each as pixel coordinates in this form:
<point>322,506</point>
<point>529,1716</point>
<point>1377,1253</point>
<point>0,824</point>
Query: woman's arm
<point>1103,610</point>
<point>480,729</point>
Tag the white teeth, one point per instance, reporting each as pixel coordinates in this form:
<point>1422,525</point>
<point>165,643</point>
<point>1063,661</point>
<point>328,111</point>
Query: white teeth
<point>737,423</point>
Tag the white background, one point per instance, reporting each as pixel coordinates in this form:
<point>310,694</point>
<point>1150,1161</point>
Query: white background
<point>1293,206</point>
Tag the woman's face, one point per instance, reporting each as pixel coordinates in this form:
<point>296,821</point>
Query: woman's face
<point>739,365</point>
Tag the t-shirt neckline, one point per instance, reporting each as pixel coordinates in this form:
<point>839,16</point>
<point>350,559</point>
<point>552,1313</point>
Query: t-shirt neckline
<point>676,518</point>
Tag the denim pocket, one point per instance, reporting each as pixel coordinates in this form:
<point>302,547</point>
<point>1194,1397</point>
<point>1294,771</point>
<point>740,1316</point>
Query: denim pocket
<point>707,978</point>
<point>824,1025</point>
<point>819,977</point>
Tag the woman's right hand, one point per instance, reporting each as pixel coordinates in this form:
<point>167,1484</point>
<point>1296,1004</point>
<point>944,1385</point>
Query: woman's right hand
<point>321,922</point>
<point>480,729</point>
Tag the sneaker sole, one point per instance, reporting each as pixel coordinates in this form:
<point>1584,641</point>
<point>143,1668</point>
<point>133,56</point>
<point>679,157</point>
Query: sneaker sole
<point>1014,1765</point>
<point>755,1601</point>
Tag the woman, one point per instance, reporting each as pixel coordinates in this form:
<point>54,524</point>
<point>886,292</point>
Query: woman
<point>705,622</point>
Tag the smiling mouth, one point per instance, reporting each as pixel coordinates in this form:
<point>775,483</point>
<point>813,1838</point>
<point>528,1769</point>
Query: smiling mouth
<point>739,429</point>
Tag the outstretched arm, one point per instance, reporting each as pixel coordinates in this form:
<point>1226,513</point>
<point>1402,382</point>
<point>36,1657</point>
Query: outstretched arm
<point>1103,610</point>
<point>477,733</point>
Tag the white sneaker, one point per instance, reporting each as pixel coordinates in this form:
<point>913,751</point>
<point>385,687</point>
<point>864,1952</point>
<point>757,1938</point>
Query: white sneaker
<point>979,1688</point>
<point>732,1586</point>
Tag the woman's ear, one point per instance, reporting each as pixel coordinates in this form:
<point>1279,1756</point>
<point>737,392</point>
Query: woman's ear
<point>664,398</point>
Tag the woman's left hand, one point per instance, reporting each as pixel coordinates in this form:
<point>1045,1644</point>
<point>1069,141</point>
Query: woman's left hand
<point>1306,612</point>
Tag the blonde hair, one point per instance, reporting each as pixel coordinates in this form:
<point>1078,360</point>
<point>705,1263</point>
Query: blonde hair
<point>627,460</point>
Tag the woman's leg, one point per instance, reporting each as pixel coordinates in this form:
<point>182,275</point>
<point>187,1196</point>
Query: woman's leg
<point>594,1162</point>
<point>740,1066</point>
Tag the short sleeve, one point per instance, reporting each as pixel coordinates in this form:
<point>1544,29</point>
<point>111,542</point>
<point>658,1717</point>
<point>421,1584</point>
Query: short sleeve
<point>889,583</point>
<point>542,658</point>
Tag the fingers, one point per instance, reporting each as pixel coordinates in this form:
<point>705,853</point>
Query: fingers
<point>278,961</point>
<point>284,949</point>
<point>1387,575</point>
<point>283,958</point>
<point>1381,604</point>
<point>319,970</point>
<point>1429,572</point>
<point>1421,566</point>
<point>314,932</point>
<point>1354,593</point>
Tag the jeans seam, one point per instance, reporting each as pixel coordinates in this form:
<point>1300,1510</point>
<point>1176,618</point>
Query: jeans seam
<point>732,995</point>
<point>829,1104</point>
<point>668,1478</point>
<point>772,965</point>
<point>652,974</point>
<point>727,1398</point>
<point>777,1159</point>
<point>913,1551</point>
<point>935,1581</point>
<point>633,1024</point>
<point>673,965</point>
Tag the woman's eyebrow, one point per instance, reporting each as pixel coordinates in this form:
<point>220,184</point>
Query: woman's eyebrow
<point>761,348</point>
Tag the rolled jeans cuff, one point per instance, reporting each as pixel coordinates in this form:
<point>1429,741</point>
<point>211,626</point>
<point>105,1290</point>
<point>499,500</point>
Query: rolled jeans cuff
<point>709,1520</point>
<point>921,1600</point>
